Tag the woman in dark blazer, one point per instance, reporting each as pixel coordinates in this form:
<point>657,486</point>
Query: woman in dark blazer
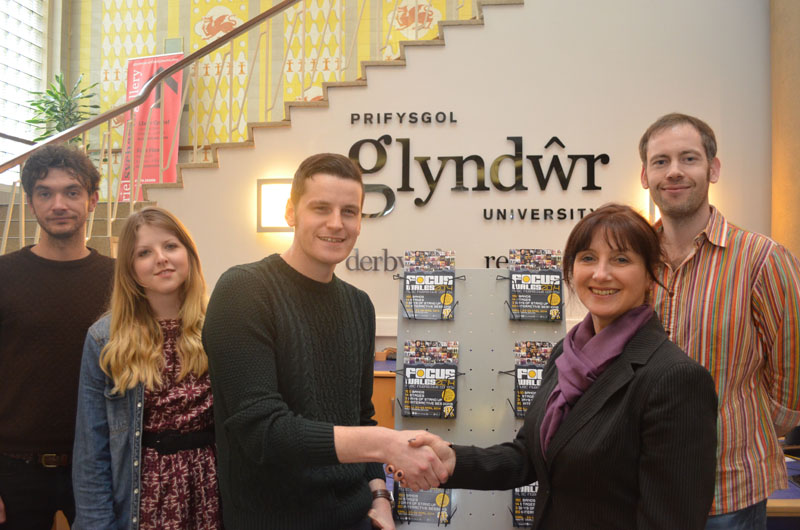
<point>622,432</point>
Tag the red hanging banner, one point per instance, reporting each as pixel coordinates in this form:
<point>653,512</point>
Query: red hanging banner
<point>155,125</point>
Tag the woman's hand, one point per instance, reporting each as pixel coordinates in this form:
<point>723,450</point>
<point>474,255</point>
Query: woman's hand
<point>442,448</point>
<point>419,468</point>
<point>422,468</point>
<point>421,440</point>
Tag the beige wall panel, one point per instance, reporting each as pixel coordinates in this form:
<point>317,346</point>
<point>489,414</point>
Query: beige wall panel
<point>594,74</point>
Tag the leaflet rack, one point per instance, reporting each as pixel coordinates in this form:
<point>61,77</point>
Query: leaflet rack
<point>486,339</point>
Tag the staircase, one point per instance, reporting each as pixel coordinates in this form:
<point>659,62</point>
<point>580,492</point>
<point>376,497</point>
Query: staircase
<point>97,226</point>
<point>206,136</point>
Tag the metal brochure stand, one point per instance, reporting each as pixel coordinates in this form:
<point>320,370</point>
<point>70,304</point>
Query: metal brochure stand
<point>484,415</point>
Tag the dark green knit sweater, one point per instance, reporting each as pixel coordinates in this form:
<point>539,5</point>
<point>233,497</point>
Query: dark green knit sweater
<point>289,358</point>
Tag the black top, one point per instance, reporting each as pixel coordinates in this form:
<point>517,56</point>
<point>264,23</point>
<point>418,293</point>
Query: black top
<point>638,449</point>
<point>289,358</point>
<point>46,306</point>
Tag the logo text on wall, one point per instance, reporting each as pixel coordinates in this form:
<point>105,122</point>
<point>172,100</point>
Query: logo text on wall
<point>384,261</point>
<point>468,173</point>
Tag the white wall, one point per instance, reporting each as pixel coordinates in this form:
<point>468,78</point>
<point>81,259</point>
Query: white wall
<point>595,74</point>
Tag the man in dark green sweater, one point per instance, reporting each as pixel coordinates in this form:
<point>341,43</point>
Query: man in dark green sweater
<point>291,350</point>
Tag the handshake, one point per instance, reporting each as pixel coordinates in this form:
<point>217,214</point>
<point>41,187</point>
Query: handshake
<point>420,460</point>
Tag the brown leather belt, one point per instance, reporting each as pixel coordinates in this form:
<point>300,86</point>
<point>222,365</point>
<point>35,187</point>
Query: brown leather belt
<point>43,459</point>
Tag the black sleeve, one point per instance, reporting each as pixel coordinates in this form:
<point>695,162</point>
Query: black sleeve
<point>499,467</point>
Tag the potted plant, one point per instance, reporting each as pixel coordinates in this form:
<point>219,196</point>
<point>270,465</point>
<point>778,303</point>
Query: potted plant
<point>58,108</point>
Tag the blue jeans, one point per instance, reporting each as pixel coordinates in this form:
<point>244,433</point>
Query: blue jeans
<point>754,517</point>
<point>33,494</point>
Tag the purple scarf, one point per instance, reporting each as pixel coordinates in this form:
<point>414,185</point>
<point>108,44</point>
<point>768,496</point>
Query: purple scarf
<point>585,357</point>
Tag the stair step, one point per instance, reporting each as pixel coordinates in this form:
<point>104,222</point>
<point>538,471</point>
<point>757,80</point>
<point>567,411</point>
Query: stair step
<point>104,245</point>
<point>101,211</point>
<point>98,227</point>
<point>12,243</point>
<point>101,244</point>
<point>99,241</point>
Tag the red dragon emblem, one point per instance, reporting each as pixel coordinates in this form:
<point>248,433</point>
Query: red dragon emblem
<point>420,17</point>
<point>212,26</point>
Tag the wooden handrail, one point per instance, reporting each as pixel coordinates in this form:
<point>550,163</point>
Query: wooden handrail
<point>148,87</point>
<point>16,139</point>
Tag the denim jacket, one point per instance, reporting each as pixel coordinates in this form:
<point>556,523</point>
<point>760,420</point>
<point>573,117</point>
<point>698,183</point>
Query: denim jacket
<point>106,458</point>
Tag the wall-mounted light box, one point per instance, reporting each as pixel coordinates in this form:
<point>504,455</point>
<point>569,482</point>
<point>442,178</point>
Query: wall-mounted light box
<point>272,197</point>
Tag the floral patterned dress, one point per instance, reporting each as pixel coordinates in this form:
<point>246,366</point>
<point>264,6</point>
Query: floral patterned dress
<point>179,491</point>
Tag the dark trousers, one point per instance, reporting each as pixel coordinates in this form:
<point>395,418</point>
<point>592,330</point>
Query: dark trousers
<point>33,494</point>
<point>364,524</point>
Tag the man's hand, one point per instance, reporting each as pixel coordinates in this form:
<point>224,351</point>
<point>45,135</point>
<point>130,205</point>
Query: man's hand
<point>2,511</point>
<point>420,468</point>
<point>442,449</point>
<point>381,514</point>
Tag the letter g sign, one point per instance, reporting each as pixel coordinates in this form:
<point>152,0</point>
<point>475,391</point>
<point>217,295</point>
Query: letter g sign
<point>380,161</point>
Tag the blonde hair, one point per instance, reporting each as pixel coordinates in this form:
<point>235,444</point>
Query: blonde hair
<point>134,353</point>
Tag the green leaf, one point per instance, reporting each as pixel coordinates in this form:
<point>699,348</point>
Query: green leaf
<point>58,108</point>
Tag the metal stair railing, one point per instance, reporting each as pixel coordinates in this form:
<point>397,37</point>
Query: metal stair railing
<point>304,44</point>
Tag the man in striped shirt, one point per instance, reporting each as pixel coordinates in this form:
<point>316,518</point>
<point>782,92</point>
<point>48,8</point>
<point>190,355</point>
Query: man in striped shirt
<point>731,299</point>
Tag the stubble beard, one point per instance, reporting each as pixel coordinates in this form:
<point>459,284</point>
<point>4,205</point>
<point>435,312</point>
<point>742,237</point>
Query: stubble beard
<point>686,208</point>
<point>65,235</point>
<point>76,230</point>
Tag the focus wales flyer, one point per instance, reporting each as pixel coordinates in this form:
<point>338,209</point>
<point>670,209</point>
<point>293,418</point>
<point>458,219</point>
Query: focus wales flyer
<point>535,292</point>
<point>530,358</point>
<point>523,500</point>
<point>429,378</point>
<point>428,284</point>
<point>432,506</point>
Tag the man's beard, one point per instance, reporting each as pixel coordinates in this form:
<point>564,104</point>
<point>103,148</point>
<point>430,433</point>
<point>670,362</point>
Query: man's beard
<point>686,208</point>
<point>62,235</point>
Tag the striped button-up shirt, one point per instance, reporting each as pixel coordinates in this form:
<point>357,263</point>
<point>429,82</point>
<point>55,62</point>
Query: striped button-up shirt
<point>733,305</point>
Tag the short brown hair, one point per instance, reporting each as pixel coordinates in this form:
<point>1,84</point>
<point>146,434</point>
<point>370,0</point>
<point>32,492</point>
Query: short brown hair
<point>70,159</point>
<point>329,164</point>
<point>673,119</point>
<point>623,229</point>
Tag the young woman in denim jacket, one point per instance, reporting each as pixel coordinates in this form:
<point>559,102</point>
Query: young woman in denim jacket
<point>144,453</point>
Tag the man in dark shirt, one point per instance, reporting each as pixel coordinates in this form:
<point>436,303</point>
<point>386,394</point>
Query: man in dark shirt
<point>50,293</point>
<point>290,352</point>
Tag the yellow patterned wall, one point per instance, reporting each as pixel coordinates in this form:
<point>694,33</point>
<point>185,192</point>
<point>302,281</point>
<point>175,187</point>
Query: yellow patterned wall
<point>310,43</point>
<point>315,54</point>
<point>217,97</point>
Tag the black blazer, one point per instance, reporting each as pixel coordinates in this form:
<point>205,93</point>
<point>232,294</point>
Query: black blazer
<point>638,449</point>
